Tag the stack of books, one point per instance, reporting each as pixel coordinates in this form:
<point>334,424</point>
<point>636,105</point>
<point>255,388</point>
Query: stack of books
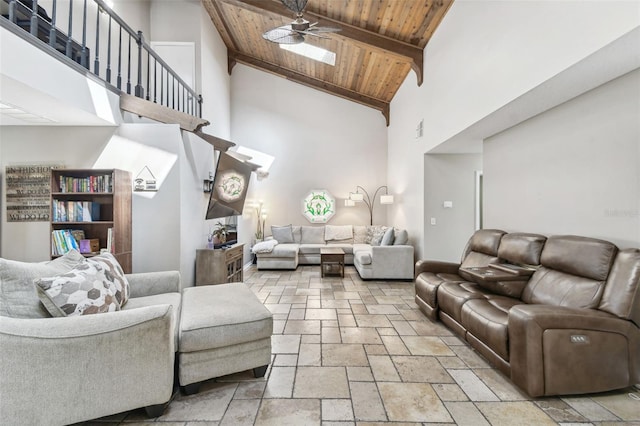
<point>75,211</point>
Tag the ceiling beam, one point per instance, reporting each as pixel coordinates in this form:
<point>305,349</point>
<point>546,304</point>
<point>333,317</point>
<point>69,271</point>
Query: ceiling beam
<point>383,107</point>
<point>358,35</point>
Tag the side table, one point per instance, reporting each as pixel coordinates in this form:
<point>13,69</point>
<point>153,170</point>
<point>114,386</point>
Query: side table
<point>330,259</point>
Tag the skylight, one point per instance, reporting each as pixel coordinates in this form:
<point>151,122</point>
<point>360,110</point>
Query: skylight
<point>312,52</point>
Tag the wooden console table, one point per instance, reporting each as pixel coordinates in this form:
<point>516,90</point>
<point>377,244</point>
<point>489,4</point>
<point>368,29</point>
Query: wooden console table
<point>331,258</point>
<point>219,266</point>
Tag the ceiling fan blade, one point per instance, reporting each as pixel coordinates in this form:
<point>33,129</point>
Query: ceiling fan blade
<point>314,33</point>
<point>282,35</point>
<point>325,29</point>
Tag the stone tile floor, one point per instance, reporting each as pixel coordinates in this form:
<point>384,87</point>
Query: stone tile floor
<point>348,352</point>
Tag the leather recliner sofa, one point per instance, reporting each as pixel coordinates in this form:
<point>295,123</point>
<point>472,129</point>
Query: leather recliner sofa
<point>558,315</point>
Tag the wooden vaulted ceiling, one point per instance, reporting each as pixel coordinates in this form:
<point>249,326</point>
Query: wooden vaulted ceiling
<point>380,42</point>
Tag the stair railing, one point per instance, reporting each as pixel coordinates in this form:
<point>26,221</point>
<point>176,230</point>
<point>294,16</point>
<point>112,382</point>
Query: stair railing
<point>154,79</point>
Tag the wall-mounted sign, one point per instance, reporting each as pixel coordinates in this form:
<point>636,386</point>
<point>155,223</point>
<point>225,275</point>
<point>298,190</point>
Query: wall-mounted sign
<point>28,196</point>
<point>318,206</point>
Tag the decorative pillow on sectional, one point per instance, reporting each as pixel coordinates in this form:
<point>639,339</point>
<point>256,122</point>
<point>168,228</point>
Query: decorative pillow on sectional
<point>18,295</point>
<point>401,237</point>
<point>359,234</point>
<point>387,237</point>
<point>312,235</point>
<point>84,290</point>
<point>283,234</point>
<point>115,274</point>
<point>375,233</point>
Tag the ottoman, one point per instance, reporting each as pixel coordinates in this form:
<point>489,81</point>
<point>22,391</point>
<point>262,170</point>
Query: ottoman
<point>224,329</point>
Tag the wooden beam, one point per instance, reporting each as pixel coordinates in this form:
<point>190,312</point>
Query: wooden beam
<point>305,80</point>
<point>219,144</point>
<point>358,35</point>
<point>161,113</point>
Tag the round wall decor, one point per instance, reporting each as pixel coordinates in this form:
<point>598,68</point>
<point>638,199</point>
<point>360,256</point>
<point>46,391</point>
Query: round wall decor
<point>318,206</point>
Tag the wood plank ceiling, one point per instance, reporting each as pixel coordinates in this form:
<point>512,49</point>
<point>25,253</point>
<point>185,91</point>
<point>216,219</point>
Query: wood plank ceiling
<point>379,43</point>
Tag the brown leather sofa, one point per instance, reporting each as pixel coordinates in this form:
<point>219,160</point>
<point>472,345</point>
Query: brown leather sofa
<point>559,315</point>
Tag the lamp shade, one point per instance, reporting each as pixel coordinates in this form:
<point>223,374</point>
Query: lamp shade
<point>349,203</point>
<point>386,199</point>
<point>356,196</point>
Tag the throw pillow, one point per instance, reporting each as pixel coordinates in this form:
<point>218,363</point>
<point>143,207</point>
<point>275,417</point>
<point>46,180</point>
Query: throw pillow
<point>375,234</point>
<point>115,274</point>
<point>387,238</point>
<point>84,290</point>
<point>401,237</point>
<point>18,295</point>
<point>312,235</point>
<point>359,234</point>
<point>282,234</point>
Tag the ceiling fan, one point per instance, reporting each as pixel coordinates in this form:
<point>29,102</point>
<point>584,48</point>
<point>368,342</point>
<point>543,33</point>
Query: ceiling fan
<point>294,32</point>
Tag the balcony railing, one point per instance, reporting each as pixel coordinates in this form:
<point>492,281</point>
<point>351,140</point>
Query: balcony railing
<point>99,40</point>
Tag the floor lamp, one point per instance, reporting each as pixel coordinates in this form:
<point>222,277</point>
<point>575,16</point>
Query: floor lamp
<point>361,195</point>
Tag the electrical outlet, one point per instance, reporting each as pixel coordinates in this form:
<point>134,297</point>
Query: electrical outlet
<point>433,220</point>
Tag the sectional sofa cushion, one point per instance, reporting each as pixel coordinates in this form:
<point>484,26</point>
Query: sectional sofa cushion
<point>282,234</point>
<point>84,290</point>
<point>312,235</point>
<point>18,296</point>
<point>359,234</point>
<point>622,293</point>
<point>343,233</point>
<point>401,237</point>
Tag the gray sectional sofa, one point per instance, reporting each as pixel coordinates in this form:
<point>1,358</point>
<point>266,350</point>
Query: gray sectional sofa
<point>377,252</point>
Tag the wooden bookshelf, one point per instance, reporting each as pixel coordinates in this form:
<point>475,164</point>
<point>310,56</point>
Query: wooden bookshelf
<point>114,199</point>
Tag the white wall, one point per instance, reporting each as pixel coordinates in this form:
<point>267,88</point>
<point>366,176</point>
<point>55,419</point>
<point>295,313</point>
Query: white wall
<point>449,177</point>
<point>574,169</point>
<point>319,141</point>
<point>484,55</point>
<point>73,147</point>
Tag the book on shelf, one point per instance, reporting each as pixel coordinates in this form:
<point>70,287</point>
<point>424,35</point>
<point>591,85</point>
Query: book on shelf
<point>63,240</point>
<point>110,244</point>
<point>75,211</point>
<point>94,183</point>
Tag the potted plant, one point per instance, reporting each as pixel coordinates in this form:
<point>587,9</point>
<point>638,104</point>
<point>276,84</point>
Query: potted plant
<point>219,235</point>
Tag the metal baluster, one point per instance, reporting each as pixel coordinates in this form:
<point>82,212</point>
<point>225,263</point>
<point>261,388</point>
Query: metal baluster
<point>173,91</point>
<point>161,86</point>
<point>200,106</point>
<point>69,46</point>
<point>96,62</point>
<point>155,80</point>
<point>12,11</point>
<point>119,79</point>
<point>167,104</point>
<point>109,52</point>
<point>34,18</point>
<point>139,89</point>
<point>148,72</point>
<point>84,60</point>
<point>129,68</point>
<point>52,29</point>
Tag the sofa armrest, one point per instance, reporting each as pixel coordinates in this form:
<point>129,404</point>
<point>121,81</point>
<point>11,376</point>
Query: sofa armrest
<point>151,283</point>
<point>392,262</point>
<point>561,350</point>
<point>58,370</point>
<point>436,267</point>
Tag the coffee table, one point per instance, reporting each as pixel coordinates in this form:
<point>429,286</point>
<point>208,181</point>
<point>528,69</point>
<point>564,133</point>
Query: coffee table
<point>330,259</point>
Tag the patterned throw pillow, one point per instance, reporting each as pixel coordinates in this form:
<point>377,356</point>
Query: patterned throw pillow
<point>375,233</point>
<point>115,274</point>
<point>84,290</point>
